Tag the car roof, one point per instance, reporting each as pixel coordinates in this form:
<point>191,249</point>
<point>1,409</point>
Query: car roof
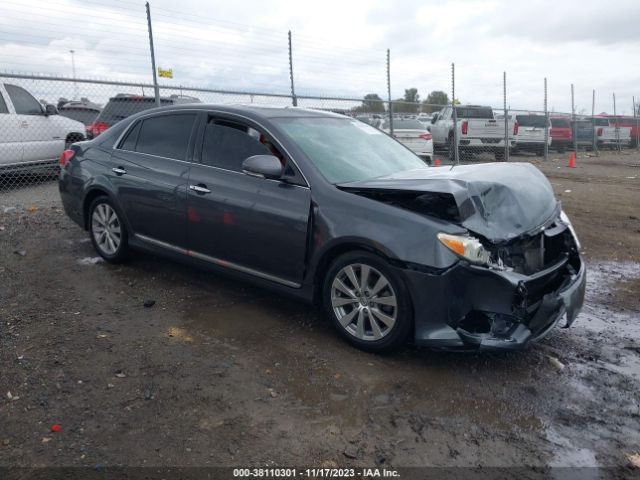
<point>255,111</point>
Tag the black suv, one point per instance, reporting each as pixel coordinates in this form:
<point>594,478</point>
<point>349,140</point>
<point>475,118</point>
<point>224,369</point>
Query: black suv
<point>124,105</point>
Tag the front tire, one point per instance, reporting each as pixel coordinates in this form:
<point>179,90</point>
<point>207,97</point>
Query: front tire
<point>108,232</point>
<point>367,302</point>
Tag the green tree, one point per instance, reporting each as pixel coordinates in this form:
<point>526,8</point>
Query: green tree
<point>410,103</point>
<point>372,103</point>
<point>434,101</point>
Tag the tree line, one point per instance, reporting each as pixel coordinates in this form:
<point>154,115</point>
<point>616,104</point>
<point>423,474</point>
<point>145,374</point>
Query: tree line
<point>410,103</point>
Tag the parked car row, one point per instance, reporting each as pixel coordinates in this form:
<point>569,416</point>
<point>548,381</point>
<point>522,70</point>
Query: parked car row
<point>33,135</point>
<point>480,129</point>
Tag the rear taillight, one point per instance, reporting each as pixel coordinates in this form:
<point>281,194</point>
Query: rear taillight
<point>66,157</point>
<point>516,127</point>
<point>425,136</point>
<point>97,128</point>
<point>465,127</point>
<point>599,132</point>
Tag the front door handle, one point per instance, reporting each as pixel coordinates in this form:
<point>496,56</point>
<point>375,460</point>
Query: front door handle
<point>200,188</point>
<point>119,170</point>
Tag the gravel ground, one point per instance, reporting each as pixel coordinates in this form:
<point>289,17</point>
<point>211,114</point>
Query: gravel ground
<point>217,372</point>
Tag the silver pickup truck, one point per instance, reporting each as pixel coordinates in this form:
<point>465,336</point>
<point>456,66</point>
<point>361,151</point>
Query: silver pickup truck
<point>477,129</point>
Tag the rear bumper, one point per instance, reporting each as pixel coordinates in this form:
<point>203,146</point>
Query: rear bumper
<point>515,308</point>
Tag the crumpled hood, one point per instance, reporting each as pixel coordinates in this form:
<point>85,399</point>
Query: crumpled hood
<point>499,201</point>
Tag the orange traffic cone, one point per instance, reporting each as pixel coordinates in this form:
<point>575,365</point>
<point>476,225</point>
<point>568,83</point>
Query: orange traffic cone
<point>436,162</point>
<point>572,160</point>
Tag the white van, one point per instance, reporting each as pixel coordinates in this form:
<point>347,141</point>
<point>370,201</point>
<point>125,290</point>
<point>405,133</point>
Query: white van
<point>32,136</point>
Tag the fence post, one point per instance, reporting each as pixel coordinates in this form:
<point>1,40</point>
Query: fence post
<point>573,121</point>
<point>390,110</point>
<point>454,113</point>
<point>153,57</point>
<point>616,127</point>
<point>635,116</point>
<point>294,99</point>
<point>593,123</point>
<point>506,117</point>
<point>546,122</point>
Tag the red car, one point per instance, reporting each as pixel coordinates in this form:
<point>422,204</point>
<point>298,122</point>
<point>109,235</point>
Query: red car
<point>561,136</point>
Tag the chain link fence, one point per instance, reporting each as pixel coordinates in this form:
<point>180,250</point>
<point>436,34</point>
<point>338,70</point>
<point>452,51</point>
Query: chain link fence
<point>40,116</point>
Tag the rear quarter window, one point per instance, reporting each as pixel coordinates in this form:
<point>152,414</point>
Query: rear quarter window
<point>166,135</point>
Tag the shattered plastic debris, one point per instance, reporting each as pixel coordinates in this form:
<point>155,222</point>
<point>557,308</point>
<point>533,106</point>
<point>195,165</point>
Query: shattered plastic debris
<point>56,428</point>
<point>557,364</point>
<point>90,260</point>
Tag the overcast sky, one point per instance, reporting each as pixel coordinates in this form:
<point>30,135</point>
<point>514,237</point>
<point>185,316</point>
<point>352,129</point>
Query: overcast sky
<point>339,46</point>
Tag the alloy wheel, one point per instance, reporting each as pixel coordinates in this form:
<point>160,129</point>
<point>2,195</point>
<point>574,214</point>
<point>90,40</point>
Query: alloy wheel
<point>364,302</point>
<point>106,229</point>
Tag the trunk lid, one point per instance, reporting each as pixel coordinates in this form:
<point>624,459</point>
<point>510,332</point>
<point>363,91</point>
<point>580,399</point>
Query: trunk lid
<point>497,201</point>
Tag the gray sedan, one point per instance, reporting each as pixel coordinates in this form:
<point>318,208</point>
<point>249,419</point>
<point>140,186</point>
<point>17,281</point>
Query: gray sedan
<point>329,209</point>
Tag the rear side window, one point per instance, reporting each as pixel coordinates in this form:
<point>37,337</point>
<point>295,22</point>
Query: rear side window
<point>166,135</point>
<point>226,145</point>
<point>130,141</point>
<point>119,108</point>
<point>474,112</point>
<point>3,105</point>
<point>23,101</point>
<point>531,121</point>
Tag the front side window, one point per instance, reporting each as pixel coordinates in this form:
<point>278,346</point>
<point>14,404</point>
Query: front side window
<point>165,135</point>
<point>346,150</point>
<point>228,144</point>
<point>23,101</point>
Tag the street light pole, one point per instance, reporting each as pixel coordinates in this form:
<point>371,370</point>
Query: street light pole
<point>73,69</point>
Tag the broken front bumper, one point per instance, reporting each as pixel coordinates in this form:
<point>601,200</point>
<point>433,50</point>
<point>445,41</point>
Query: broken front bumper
<point>479,308</point>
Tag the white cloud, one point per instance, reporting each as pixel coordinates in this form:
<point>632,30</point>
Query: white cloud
<point>340,46</point>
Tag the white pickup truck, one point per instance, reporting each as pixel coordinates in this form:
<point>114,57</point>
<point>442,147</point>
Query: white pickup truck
<point>609,135</point>
<point>32,137</point>
<point>532,131</point>
<point>478,130</point>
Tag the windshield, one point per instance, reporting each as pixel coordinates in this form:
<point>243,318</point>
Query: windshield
<point>347,150</point>
<point>531,121</point>
<point>120,108</point>
<point>83,115</point>
<point>404,125</point>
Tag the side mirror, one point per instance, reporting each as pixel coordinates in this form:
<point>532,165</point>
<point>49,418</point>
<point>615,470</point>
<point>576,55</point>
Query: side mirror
<point>263,166</point>
<point>50,110</point>
<point>434,118</point>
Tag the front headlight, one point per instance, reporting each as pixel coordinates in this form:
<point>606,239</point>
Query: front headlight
<point>565,219</point>
<point>467,247</point>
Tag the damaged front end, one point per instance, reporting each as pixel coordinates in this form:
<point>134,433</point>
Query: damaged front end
<point>524,289</point>
<point>519,270</point>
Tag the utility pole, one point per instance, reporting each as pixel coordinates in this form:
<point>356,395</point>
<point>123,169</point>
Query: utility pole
<point>294,99</point>
<point>73,69</point>
<point>389,91</point>
<point>506,116</point>
<point>153,57</point>
<point>546,122</point>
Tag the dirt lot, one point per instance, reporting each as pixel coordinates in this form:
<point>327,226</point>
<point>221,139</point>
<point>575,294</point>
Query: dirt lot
<point>220,373</point>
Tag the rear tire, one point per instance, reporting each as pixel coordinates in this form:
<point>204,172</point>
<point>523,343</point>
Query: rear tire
<point>367,302</point>
<point>108,232</point>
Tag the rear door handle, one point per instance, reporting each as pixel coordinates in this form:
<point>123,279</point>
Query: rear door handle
<point>200,188</point>
<point>119,170</point>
